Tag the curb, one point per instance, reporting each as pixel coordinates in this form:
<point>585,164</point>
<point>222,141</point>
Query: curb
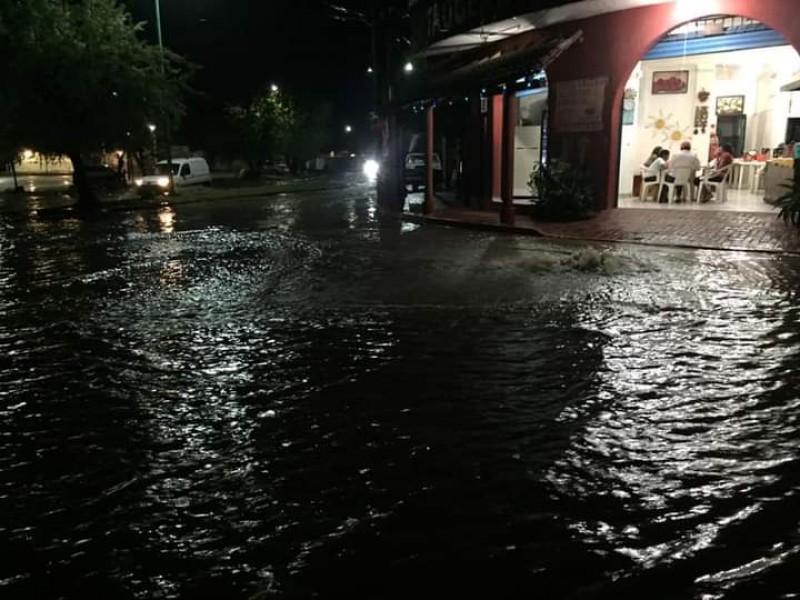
<point>422,219</point>
<point>159,201</point>
<point>178,200</point>
<point>536,232</point>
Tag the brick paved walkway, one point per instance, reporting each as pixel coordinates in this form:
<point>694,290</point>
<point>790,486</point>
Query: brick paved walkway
<point>721,230</point>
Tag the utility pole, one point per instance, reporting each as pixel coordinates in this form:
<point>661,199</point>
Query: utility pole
<point>167,134</point>
<point>374,59</point>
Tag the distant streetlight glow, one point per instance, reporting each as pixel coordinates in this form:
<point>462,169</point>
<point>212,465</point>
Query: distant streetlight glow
<point>274,87</point>
<point>409,68</point>
<point>348,129</point>
<point>369,69</point>
<point>152,128</point>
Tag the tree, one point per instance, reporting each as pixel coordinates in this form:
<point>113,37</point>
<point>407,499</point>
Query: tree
<point>274,125</point>
<point>311,133</point>
<point>82,80</point>
<point>264,127</point>
<point>8,149</point>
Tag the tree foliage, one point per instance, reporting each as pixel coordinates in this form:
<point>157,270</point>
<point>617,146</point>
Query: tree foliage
<point>264,126</point>
<point>274,125</point>
<point>80,79</point>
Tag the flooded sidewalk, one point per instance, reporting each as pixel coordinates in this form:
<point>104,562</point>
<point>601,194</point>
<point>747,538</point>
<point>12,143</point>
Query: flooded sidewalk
<point>717,230</point>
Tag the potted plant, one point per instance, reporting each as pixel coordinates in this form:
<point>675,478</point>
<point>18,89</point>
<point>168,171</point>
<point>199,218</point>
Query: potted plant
<point>789,204</point>
<point>562,192</point>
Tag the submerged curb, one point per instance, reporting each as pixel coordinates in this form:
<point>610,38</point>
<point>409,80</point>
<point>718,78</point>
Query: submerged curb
<point>422,219</point>
<point>59,203</point>
<point>138,203</point>
<point>627,234</point>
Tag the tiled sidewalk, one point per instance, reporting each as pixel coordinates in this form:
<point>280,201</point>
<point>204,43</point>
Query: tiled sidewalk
<point>721,230</point>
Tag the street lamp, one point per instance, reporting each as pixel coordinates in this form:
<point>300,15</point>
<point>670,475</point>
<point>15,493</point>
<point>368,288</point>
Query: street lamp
<point>409,67</point>
<point>348,129</point>
<point>152,129</point>
<point>274,87</point>
<point>163,75</point>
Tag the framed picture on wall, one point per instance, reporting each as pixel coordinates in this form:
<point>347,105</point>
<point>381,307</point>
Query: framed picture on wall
<point>670,82</point>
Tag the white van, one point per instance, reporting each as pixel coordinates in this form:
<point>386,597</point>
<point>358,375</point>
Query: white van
<point>185,171</point>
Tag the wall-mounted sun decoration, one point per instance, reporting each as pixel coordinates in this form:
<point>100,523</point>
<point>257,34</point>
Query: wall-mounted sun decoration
<point>660,124</point>
<point>669,130</point>
<point>677,134</point>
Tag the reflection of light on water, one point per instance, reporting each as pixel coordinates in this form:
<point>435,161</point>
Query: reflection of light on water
<point>677,426</point>
<point>171,273</point>
<point>166,219</point>
<point>140,224</point>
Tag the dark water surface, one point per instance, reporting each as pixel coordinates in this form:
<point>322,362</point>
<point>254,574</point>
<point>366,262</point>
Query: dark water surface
<point>289,398</point>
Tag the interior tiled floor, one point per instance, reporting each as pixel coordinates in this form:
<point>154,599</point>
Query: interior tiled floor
<point>737,200</point>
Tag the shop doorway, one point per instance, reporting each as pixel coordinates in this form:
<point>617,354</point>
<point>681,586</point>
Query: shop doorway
<point>712,82</point>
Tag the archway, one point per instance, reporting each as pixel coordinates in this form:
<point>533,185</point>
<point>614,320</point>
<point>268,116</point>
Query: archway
<point>611,59</point>
<point>712,80</point>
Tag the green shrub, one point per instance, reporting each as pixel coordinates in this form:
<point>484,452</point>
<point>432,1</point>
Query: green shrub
<point>562,191</point>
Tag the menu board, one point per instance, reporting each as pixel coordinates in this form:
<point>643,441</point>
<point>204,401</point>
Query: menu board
<point>579,105</point>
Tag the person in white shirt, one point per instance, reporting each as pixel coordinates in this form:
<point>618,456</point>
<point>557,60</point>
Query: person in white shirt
<point>655,167</point>
<point>684,159</point>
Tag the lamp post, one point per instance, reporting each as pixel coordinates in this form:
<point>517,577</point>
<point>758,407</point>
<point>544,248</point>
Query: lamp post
<point>152,129</point>
<point>167,135</point>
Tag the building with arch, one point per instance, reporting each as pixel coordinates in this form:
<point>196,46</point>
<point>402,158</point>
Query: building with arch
<point>485,65</point>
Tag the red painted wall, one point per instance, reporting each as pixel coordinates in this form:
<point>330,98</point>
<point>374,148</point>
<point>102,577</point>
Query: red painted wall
<point>497,143</point>
<point>613,44</point>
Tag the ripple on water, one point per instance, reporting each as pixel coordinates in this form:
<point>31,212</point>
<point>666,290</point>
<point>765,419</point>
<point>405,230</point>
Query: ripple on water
<point>308,402</point>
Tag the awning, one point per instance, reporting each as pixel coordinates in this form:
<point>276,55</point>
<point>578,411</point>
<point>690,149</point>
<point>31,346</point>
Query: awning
<point>490,65</point>
<point>792,86</point>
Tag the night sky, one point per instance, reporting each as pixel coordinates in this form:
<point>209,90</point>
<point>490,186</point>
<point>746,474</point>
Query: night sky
<point>242,45</point>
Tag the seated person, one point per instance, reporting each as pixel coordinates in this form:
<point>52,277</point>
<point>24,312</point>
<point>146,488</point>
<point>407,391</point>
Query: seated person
<point>652,172</point>
<point>685,159</point>
<point>719,169</point>
<point>653,156</point>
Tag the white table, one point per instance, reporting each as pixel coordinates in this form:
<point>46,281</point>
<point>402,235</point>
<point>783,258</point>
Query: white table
<point>752,166</point>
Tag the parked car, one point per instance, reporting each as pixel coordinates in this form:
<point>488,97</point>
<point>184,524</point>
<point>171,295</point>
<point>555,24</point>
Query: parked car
<point>415,172</point>
<point>185,171</point>
<point>276,167</point>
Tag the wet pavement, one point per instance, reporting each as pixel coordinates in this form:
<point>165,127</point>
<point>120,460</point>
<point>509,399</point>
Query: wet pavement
<point>32,183</point>
<point>295,397</point>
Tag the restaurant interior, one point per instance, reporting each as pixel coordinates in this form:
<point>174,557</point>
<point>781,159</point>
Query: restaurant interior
<point>718,81</point>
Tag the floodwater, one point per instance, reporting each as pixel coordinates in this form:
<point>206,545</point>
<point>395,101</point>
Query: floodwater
<point>291,397</point>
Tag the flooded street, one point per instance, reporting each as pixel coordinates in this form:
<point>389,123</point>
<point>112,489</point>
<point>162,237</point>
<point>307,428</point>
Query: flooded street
<point>290,397</point>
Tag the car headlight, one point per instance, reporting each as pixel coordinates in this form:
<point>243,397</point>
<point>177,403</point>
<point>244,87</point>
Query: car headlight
<point>163,182</point>
<point>371,168</point>
<point>139,182</point>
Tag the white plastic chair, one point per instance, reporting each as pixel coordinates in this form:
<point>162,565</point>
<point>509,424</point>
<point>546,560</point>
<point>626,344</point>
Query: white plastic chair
<point>648,184</point>
<point>720,188</point>
<point>683,178</point>
<point>758,179</point>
